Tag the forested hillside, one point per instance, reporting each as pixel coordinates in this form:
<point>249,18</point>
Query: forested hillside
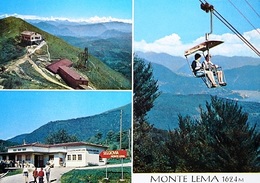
<point>83,128</point>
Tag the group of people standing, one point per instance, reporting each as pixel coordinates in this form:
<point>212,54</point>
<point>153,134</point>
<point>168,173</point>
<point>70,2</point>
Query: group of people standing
<point>38,174</point>
<point>208,69</point>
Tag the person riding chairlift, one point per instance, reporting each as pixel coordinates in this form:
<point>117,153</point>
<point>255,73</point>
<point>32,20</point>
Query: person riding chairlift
<point>209,66</point>
<point>199,70</point>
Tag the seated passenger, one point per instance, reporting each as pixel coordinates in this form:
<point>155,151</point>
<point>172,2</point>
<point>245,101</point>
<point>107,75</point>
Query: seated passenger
<point>208,65</point>
<point>199,71</point>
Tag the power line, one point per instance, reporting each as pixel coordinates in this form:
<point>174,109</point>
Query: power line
<point>243,15</point>
<point>252,8</point>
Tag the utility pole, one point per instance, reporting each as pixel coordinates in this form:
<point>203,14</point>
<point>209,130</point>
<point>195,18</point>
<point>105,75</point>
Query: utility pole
<point>120,143</point>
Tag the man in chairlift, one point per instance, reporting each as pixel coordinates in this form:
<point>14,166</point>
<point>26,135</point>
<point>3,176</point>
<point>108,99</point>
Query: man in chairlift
<point>209,66</point>
<point>199,70</point>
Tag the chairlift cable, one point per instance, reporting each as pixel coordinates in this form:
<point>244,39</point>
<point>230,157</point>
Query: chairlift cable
<point>234,30</point>
<point>252,8</point>
<point>243,15</point>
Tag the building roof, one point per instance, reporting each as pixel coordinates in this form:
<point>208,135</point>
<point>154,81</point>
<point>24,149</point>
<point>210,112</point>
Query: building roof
<point>54,67</point>
<point>29,33</point>
<point>72,73</point>
<point>58,145</point>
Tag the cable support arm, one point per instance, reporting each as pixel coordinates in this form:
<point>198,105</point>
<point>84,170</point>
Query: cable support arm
<point>205,6</point>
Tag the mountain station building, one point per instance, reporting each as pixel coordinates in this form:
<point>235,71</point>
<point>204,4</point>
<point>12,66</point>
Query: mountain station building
<point>73,154</point>
<point>30,37</point>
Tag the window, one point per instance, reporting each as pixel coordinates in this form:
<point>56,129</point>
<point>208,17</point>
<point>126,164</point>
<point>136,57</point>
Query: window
<point>28,158</point>
<point>69,157</point>
<point>80,157</point>
<point>19,157</point>
<point>74,157</point>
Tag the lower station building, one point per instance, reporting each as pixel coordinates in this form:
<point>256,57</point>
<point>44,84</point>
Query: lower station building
<point>73,154</point>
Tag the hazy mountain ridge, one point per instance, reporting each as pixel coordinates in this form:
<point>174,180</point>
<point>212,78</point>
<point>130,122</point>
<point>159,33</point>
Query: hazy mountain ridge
<point>83,127</point>
<point>244,76</point>
<point>110,42</point>
<point>82,30</point>
<point>181,66</point>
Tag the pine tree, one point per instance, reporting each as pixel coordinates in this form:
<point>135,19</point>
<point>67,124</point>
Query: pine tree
<point>145,89</point>
<point>60,136</point>
<point>145,92</point>
<point>220,141</point>
<point>236,144</point>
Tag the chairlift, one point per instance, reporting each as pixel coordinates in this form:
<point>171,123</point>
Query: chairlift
<point>205,47</point>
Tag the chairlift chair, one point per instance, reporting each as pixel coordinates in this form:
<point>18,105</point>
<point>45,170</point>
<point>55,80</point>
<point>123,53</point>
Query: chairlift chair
<point>203,47</point>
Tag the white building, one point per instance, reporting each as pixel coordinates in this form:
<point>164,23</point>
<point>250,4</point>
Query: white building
<point>73,154</point>
<point>31,37</point>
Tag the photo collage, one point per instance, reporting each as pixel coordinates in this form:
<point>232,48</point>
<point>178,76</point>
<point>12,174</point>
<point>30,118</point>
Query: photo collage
<point>135,91</point>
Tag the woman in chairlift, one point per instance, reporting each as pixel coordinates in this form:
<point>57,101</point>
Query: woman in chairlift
<point>200,71</point>
<point>209,66</point>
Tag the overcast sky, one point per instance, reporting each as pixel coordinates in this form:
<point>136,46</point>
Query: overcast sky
<point>173,26</point>
<point>24,111</point>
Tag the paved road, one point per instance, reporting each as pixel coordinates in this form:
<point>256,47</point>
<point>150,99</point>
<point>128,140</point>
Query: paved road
<point>56,174</point>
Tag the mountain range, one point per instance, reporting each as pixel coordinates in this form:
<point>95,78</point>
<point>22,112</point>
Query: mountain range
<point>182,93</point>
<point>111,42</point>
<point>174,75</point>
<point>83,128</point>
<point>81,29</point>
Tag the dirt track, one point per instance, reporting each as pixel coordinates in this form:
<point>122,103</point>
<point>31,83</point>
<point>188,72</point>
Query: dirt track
<point>15,66</point>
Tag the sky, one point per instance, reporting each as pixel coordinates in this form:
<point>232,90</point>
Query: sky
<point>24,111</point>
<point>88,10</point>
<point>173,26</point>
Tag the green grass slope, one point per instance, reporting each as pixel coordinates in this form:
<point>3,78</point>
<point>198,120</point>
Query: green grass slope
<point>12,28</point>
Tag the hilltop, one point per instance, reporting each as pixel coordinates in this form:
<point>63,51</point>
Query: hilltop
<point>25,77</point>
<point>83,128</point>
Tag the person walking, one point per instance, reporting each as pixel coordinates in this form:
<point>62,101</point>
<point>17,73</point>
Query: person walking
<point>41,175</point>
<point>25,173</point>
<point>35,174</point>
<point>48,172</point>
